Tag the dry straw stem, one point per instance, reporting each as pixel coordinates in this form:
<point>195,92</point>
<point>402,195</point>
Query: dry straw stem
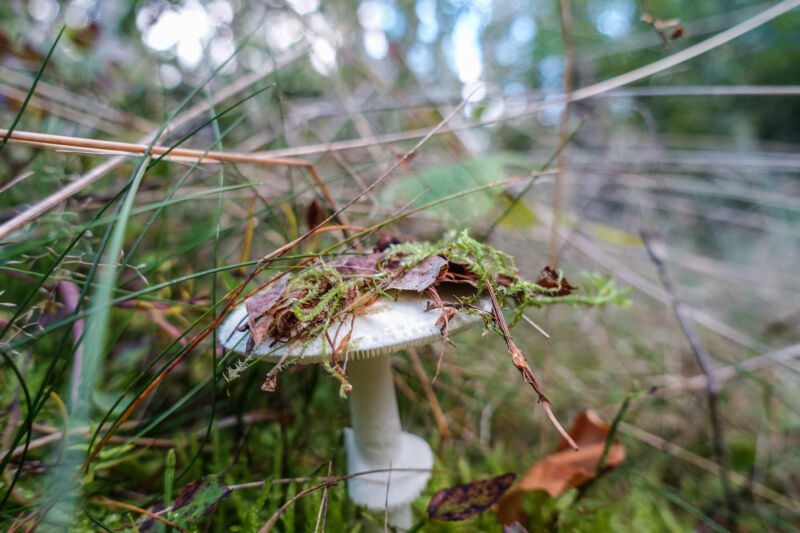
<point>438,415</point>
<point>104,168</point>
<point>624,272</point>
<point>182,154</point>
<point>558,190</point>
<point>700,381</point>
<point>89,108</point>
<point>55,435</point>
<point>66,142</point>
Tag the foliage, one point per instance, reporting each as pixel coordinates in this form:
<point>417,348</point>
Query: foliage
<point>155,259</point>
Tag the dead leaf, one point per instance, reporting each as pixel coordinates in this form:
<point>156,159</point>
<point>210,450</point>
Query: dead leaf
<point>565,468</point>
<point>315,214</point>
<point>385,241</point>
<point>550,279</point>
<point>422,275</point>
<point>258,305</point>
<point>458,273</point>
<point>357,265</point>
<point>466,501</point>
<point>270,383</point>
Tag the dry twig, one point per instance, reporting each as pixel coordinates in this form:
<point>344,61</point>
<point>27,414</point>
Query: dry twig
<point>704,360</point>
<point>522,365</point>
<point>438,415</point>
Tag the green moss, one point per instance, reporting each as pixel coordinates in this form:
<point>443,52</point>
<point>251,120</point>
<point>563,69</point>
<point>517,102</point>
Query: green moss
<point>487,263</point>
<point>323,293</point>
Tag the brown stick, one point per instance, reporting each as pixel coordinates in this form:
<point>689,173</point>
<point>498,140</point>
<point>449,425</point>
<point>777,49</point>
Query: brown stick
<point>438,415</point>
<point>63,141</point>
<point>522,365</point>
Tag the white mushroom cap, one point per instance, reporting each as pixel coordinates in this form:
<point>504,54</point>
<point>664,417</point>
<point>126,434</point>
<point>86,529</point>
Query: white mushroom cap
<point>385,327</point>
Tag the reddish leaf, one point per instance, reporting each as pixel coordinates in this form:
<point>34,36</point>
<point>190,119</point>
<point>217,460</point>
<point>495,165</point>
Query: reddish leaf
<point>270,383</point>
<point>422,275</point>
<point>357,265</point>
<point>258,305</point>
<point>385,241</point>
<point>468,500</point>
<point>549,279</point>
<point>315,214</point>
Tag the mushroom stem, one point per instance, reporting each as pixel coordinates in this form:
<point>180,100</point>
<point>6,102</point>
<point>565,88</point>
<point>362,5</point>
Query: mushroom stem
<point>373,410</point>
<point>377,441</point>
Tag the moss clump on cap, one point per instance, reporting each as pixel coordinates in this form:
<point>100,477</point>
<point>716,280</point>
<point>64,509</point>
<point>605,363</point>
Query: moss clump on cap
<point>302,307</point>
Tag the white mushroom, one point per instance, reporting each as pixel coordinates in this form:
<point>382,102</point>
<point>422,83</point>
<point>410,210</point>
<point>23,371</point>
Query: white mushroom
<point>376,440</point>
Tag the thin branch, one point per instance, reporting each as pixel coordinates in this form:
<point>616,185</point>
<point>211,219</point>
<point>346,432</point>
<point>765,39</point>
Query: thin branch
<point>522,365</point>
<point>558,191</point>
<point>704,360</point>
<point>64,141</point>
<point>325,483</point>
<point>438,415</point>
<point>709,466</point>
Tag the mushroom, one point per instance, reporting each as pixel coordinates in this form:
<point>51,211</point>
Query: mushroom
<point>376,440</point>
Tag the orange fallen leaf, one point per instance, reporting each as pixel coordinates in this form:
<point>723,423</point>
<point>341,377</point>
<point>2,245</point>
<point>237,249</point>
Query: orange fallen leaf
<point>564,468</point>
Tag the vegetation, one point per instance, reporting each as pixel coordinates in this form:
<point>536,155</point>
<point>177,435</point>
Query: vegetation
<point>204,149</point>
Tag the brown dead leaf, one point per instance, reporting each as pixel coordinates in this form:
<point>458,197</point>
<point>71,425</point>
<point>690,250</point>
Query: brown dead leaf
<point>315,214</point>
<point>549,279</point>
<point>422,275</point>
<point>260,304</point>
<point>357,265</point>
<point>270,383</point>
<point>385,241</point>
<point>565,468</point>
<point>466,501</point>
<point>458,273</point>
